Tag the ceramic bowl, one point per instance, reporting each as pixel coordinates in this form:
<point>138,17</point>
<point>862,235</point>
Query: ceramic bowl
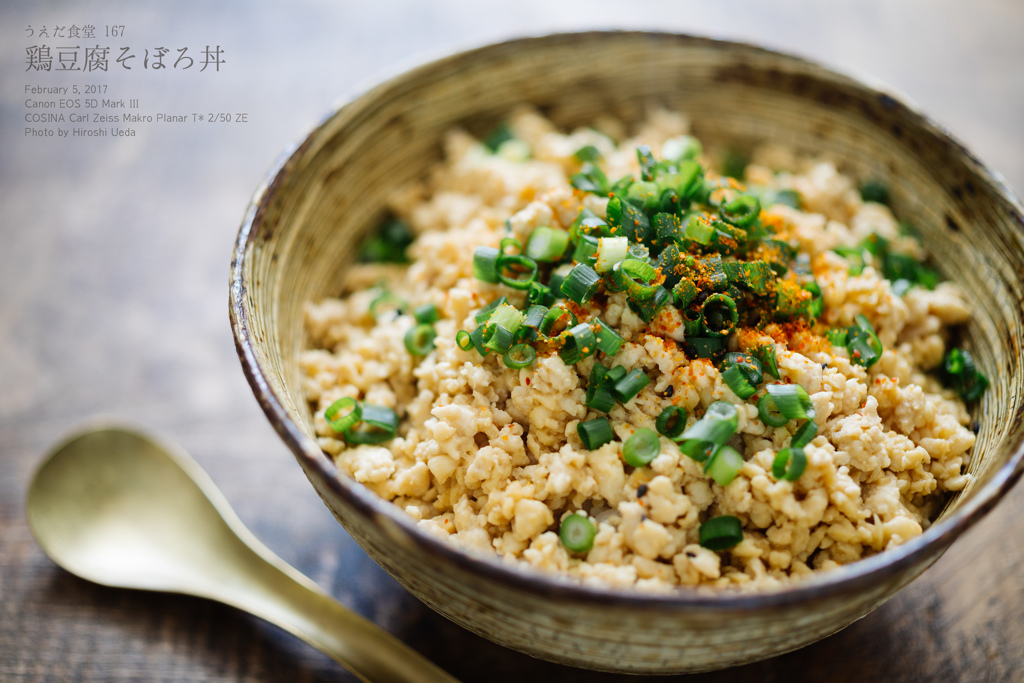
<point>326,193</point>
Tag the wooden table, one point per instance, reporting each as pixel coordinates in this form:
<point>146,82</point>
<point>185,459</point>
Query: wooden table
<point>113,273</point>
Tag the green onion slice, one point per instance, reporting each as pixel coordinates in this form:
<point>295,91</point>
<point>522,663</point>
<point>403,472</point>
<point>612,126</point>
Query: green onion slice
<point>737,381</point>
<point>510,243</point>
<point>721,533</point>
<point>581,283</point>
<point>717,426</point>
<point>419,340</point>
<point>580,342</point>
<point>353,414</point>
<point>766,354</point>
<point>610,250</point>
<point>523,269</point>
<point>671,422</point>
<point>555,320</point>
<point>463,340</point>
<point>719,315</point>
<point>595,433</point>
<point>864,345</point>
<point>742,211</point>
<point>485,264</point>
<point>577,533</point>
<point>599,394</point>
<point>792,401</point>
<point>724,464</point>
<point>789,464</point>
<point>608,340</point>
<point>384,302</point>
<point>378,424</point>
<point>484,314</point>
<point>641,448</point>
<point>804,435</point>
<point>630,385</point>
<point>497,338</point>
<point>519,356</point>
<point>769,412</point>
<point>546,244</point>
<point>427,313</point>
<point>477,337</point>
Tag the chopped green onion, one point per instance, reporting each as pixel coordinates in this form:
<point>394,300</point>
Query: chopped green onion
<point>384,302</point>
<point>427,313</point>
<point>587,153</point>
<point>789,464</point>
<point>608,340</point>
<point>685,292</point>
<point>595,433</point>
<point>534,317</point>
<point>705,347</point>
<point>718,314</point>
<point>557,320</point>
<point>855,257</point>
<point>354,414</point>
<point>742,211</point>
<point>874,191</point>
<point>599,394</point>
<point>681,147</point>
<point>510,242</point>
<point>610,250</point>
<point>581,283</point>
<point>691,178</point>
<point>641,448</point>
<point>649,302</point>
<point>500,135</point>
<point>734,163</point>
<point>523,268</point>
<point>629,386</point>
<point>477,337</point>
<point>577,533</point>
<point>769,412</point>
<point>865,348</point>
<point>721,533</point>
<point>647,162</point>
<point>557,315</point>
<point>790,198</point>
<point>644,195</point>
<point>485,264</point>
<point>497,338</point>
<point>508,316</point>
<point>484,314</point>
<point>696,450</point>
<point>591,179</point>
<point>792,401</point>
<point>961,374</point>
<point>463,340</point>
<point>804,435</point>
<point>671,422</point>
<point>387,244</point>
<point>766,354</point>
<point>546,244</point>
<point>539,294</point>
<point>724,464</point>
<point>699,230</point>
<point>717,426</point>
<point>737,381</point>
<point>519,356</point>
<point>836,337</point>
<point>378,424</point>
<point>419,340</point>
<point>580,342</point>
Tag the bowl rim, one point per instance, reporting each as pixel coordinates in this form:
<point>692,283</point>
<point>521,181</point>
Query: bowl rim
<point>846,579</point>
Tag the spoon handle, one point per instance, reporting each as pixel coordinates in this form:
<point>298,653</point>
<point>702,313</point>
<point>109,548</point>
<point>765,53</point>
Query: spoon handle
<point>281,595</point>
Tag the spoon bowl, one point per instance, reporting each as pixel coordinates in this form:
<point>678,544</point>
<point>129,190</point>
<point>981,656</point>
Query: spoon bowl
<point>121,508</point>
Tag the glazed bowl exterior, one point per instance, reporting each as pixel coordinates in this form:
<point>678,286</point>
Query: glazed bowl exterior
<point>304,223</point>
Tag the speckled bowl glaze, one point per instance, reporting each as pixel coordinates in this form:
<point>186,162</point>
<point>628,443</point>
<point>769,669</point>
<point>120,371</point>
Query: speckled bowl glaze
<point>323,195</point>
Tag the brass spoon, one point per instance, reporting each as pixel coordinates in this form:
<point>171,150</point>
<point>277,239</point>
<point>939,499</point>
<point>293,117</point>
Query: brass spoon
<point>116,506</point>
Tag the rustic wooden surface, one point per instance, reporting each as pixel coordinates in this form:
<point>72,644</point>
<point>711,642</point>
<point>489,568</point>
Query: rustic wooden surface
<point>113,299</point>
